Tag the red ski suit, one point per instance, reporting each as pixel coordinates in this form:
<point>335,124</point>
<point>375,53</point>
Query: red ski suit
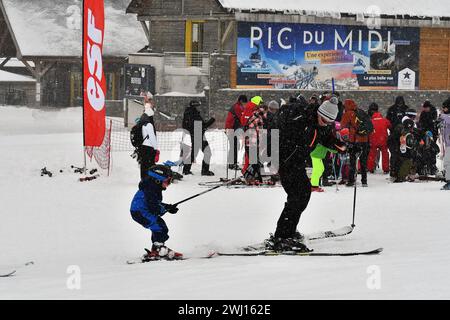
<point>378,142</point>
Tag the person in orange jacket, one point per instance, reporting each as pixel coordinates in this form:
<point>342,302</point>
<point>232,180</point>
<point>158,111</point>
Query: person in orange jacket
<point>378,139</point>
<point>360,143</point>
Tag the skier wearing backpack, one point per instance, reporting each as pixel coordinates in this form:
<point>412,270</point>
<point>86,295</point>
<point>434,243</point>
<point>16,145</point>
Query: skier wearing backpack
<point>360,126</point>
<point>147,209</point>
<point>233,123</point>
<point>143,138</point>
<point>378,139</point>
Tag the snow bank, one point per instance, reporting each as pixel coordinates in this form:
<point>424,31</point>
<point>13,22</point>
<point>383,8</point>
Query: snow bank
<point>6,76</point>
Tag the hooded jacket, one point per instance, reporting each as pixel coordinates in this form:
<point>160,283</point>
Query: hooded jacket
<point>397,111</point>
<point>381,125</point>
<point>349,121</point>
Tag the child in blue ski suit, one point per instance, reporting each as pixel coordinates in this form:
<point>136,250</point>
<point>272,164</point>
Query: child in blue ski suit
<point>147,209</point>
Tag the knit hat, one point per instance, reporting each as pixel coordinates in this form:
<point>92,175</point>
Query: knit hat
<point>257,100</point>
<point>328,111</point>
<point>274,105</point>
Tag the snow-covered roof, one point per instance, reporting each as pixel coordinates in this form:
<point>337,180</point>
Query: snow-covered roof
<point>429,8</point>
<point>53,28</point>
<point>13,77</point>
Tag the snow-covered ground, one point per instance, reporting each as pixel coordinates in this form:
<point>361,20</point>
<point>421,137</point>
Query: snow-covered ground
<point>60,222</point>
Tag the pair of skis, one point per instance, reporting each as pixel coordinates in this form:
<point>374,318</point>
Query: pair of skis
<point>259,249</point>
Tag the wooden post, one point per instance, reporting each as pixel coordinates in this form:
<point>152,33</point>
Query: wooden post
<point>219,35</point>
<point>37,68</point>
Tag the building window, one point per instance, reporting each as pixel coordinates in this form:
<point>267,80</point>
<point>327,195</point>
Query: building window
<point>194,36</point>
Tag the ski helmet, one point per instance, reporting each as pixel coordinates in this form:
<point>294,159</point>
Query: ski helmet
<point>160,173</point>
<point>408,123</point>
<point>446,105</point>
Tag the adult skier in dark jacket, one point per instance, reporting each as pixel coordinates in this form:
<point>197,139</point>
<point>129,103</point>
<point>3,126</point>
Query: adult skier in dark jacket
<point>192,115</point>
<point>397,111</point>
<point>395,115</point>
<point>301,130</point>
<point>428,118</point>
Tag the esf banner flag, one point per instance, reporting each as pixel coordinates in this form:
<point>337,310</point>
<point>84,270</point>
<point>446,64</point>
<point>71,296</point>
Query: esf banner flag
<point>308,56</point>
<point>94,83</point>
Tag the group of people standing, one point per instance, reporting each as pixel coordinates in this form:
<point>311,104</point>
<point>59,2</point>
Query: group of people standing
<point>401,144</point>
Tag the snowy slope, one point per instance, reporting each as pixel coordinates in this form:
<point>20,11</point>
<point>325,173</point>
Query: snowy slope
<point>59,222</point>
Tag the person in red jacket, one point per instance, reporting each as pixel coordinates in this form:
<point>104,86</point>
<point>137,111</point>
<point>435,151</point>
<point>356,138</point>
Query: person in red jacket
<point>378,139</point>
<point>233,123</point>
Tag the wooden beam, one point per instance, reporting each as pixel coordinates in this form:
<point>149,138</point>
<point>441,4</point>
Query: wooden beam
<point>219,35</point>
<point>30,68</point>
<point>4,62</point>
<point>146,31</point>
<point>47,68</point>
<point>227,32</point>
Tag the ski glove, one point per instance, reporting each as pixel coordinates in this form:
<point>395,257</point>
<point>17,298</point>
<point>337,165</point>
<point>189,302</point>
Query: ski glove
<point>171,208</point>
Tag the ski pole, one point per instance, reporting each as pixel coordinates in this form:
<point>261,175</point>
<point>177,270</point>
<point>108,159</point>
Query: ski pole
<point>204,192</point>
<point>336,178</point>
<point>354,193</point>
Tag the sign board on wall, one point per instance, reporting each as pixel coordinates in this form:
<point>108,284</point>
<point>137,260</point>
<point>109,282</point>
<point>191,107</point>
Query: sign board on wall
<point>139,78</point>
<point>308,56</point>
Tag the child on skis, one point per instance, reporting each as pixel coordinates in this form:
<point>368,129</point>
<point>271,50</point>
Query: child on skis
<point>147,209</point>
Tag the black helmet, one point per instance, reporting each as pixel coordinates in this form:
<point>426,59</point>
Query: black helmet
<point>160,173</point>
<point>408,123</point>
<point>373,107</point>
<point>195,103</point>
<point>446,103</point>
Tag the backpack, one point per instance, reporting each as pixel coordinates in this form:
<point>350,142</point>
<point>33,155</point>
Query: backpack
<point>364,125</point>
<point>136,137</point>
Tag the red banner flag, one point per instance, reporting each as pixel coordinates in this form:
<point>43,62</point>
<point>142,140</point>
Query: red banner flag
<point>94,83</point>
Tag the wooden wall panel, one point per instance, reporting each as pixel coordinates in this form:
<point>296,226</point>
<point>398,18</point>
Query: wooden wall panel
<point>434,59</point>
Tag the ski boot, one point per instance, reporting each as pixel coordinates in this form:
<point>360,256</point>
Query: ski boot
<point>287,244</point>
<point>207,173</point>
<point>160,251</point>
<point>317,189</point>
